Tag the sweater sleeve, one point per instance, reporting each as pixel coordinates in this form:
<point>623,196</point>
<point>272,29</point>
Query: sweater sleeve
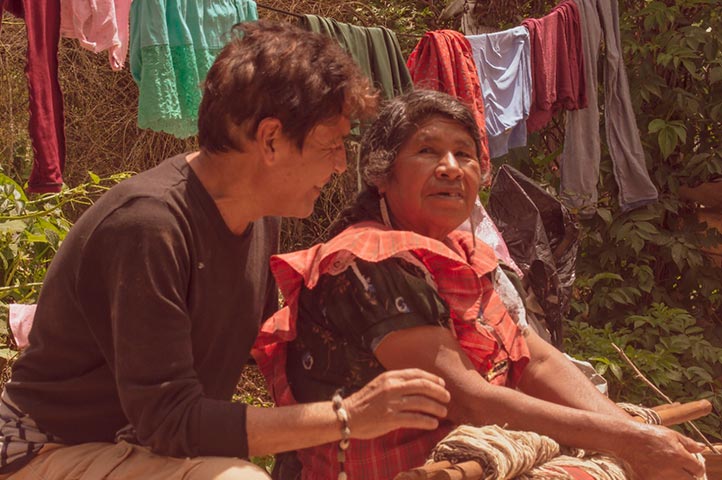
<point>133,283</point>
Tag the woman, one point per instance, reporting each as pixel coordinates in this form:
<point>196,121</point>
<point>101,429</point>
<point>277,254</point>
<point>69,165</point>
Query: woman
<point>398,287</point>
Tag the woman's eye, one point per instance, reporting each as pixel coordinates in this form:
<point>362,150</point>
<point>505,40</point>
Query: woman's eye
<point>426,150</point>
<point>466,155</point>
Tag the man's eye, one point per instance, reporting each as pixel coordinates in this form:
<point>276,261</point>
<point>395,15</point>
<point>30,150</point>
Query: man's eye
<point>426,150</point>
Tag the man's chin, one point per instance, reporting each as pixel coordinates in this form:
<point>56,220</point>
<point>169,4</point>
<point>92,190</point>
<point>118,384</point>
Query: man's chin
<point>301,214</point>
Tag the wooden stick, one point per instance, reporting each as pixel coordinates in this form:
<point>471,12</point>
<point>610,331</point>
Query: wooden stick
<point>685,412</point>
<point>665,406</point>
<point>461,471</point>
<point>471,470</point>
<point>671,414</point>
<point>422,473</point>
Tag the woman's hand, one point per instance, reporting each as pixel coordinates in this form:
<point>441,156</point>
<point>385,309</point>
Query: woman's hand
<point>662,453</point>
<point>409,398</point>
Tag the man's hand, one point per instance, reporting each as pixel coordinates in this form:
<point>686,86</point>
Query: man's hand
<point>410,398</point>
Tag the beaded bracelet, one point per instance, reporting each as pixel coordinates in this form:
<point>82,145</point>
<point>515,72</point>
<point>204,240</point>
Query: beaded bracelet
<point>343,444</point>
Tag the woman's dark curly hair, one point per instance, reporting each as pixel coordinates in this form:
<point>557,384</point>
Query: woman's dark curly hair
<point>397,121</point>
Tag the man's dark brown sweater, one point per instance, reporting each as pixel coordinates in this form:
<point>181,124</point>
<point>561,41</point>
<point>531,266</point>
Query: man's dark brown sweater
<point>146,317</point>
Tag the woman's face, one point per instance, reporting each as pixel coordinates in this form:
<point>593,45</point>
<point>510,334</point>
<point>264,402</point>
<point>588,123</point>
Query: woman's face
<point>435,179</point>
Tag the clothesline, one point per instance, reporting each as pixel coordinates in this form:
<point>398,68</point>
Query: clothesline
<point>278,10</point>
<point>297,15</point>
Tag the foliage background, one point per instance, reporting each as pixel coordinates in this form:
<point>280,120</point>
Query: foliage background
<point>644,280</point>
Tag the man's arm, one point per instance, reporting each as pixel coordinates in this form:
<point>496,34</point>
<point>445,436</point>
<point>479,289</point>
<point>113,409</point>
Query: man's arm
<point>397,399</point>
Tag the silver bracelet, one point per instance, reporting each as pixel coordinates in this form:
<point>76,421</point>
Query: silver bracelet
<point>345,441</point>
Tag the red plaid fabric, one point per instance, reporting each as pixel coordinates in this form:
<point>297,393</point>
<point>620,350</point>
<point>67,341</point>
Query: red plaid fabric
<point>464,285</point>
<point>442,61</point>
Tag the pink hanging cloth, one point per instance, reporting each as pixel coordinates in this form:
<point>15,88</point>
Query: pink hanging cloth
<point>98,25</point>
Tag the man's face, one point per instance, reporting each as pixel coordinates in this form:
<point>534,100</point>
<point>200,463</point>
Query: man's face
<point>301,174</point>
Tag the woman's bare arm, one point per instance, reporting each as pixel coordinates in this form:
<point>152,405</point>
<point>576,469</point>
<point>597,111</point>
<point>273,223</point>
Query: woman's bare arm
<point>653,452</point>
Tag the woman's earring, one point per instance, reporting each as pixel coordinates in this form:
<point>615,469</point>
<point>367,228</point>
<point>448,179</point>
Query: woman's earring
<point>473,231</point>
<point>384,212</point>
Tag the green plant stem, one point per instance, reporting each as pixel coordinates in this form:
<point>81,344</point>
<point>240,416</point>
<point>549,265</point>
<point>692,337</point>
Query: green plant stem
<point>15,287</point>
<point>659,392</point>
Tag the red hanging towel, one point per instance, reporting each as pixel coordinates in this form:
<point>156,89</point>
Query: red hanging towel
<point>47,127</point>
<point>557,64</point>
<point>442,61</point>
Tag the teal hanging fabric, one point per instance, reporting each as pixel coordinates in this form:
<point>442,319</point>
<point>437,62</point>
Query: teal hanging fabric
<point>173,44</point>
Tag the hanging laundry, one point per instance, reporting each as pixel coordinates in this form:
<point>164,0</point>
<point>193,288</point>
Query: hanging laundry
<point>557,64</point>
<point>442,61</point>
<point>581,155</point>
<point>98,25</point>
<point>47,125</point>
<point>375,49</point>
<point>173,45</point>
<point>503,63</point>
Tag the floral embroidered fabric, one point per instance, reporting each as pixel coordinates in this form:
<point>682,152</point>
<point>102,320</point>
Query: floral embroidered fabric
<point>173,44</point>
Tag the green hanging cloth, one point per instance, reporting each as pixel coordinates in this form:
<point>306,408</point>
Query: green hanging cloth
<point>173,44</point>
<point>375,49</point>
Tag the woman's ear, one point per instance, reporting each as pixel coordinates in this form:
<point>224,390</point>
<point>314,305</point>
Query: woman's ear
<point>382,186</point>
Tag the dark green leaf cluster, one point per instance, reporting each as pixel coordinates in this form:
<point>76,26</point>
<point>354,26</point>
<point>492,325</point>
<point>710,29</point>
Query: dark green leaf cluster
<point>31,230</point>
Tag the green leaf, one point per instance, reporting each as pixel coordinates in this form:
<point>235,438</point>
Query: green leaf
<point>715,75</point>
<point>656,125</point>
<point>605,214</point>
<point>12,226</point>
<point>667,141</point>
<point>679,252</point>
<point>681,132</point>
<point>7,353</point>
<point>94,178</point>
<point>647,227</point>
<point>616,370</point>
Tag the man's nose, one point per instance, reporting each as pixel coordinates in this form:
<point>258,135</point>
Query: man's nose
<point>340,163</point>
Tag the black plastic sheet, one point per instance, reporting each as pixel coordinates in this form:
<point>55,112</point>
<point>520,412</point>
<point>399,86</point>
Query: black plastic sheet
<point>542,238</point>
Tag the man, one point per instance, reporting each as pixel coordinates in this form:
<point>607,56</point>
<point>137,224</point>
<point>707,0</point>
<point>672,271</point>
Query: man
<point>150,308</point>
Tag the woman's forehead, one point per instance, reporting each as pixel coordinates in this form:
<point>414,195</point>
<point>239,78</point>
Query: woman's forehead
<point>440,128</point>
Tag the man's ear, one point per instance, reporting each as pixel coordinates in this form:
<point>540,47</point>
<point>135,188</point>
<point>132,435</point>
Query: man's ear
<point>268,135</point>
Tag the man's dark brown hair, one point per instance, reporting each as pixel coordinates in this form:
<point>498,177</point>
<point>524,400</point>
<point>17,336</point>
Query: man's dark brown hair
<point>281,71</point>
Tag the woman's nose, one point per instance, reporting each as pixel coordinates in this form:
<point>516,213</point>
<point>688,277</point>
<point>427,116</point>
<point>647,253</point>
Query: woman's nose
<point>449,167</point>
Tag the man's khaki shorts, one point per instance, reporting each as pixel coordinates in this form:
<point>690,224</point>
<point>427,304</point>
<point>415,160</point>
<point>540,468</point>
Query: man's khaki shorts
<point>99,461</point>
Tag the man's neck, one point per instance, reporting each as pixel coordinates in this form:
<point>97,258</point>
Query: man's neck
<point>230,178</point>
